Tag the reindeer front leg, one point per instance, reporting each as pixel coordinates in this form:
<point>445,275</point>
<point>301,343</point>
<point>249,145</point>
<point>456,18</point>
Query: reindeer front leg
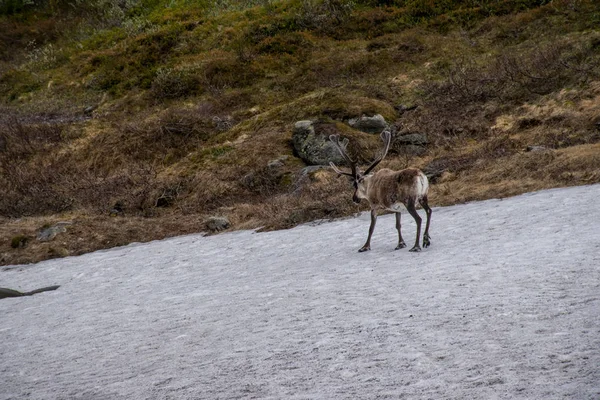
<point>367,245</point>
<point>401,243</point>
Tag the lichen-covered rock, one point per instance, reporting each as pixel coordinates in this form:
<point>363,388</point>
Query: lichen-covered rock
<point>314,148</point>
<point>414,139</point>
<point>217,224</point>
<point>46,234</point>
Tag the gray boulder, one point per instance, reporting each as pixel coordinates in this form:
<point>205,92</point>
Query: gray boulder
<point>46,234</point>
<point>414,139</point>
<point>436,168</point>
<point>374,124</point>
<point>410,143</point>
<point>314,148</point>
<point>217,224</point>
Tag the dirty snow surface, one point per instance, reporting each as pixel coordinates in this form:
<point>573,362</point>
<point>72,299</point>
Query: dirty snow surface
<point>505,304</point>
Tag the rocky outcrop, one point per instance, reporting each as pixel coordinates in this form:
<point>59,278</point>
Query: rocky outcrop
<point>410,143</point>
<point>314,148</point>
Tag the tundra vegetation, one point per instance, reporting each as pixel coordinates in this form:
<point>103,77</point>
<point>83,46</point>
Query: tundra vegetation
<point>134,120</point>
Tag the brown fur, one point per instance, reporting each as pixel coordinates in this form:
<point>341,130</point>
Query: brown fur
<point>387,187</point>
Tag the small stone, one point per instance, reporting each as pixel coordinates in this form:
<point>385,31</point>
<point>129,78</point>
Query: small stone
<point>58,252</point>
<point>89,110</point>
<point>536,148</point>
<point>401,108</point>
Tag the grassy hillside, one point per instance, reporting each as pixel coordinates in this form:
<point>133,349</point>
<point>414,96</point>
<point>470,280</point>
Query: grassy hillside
<point>135,120</point>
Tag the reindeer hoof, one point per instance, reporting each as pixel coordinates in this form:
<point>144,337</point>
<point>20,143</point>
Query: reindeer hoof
<point>415,249</point>
<point>363,249</point>
<point>426,241</point>
<point>401,245</point>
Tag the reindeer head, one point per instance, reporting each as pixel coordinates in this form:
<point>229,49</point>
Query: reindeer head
<point>356,176</point>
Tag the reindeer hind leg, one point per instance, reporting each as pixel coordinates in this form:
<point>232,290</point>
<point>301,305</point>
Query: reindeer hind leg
<point>401,243</point>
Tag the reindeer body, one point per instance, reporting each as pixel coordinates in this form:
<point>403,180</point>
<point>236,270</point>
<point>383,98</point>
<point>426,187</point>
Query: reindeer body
<point>389,190</point>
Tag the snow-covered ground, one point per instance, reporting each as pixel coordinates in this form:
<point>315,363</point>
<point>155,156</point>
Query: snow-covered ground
<point>504,305</point>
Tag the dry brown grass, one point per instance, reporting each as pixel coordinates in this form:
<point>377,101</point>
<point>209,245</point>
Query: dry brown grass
<point>86,233</point>
<point>519,173</point>
<point>319,195</point>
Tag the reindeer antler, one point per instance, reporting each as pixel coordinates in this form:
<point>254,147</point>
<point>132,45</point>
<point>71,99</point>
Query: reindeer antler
<point>386,136</point>
<point>341,146</point>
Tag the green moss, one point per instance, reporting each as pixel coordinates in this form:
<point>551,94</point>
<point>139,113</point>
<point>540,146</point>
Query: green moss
<point>104,39</point>
<point>218,151</point>
<point>291,43</point>
<point>19,241</point>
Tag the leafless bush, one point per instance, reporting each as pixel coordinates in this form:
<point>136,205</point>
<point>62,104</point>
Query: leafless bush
<point>516,76</point>
<point>171,134</point>
<point>135,187</point>
<point>29,184</point>
<point>36,180</point>
<point>172,83</point>
<point>268,180</point>
<point>19,140</point>
<point>51,185</point>
<point>31,189</point>
<point>466,102</point>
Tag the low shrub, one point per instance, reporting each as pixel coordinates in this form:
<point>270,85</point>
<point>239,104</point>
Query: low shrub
<point>17,82</point>
<point>172,83</point>
<point>323,15</point>
<point>224,73</point>
<point>19,141</point>
<point>19,241</point>
<point>44,57</point>
<point>32,188</point>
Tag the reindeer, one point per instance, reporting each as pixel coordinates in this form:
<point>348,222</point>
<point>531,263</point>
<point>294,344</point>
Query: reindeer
<point>387,190</point>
